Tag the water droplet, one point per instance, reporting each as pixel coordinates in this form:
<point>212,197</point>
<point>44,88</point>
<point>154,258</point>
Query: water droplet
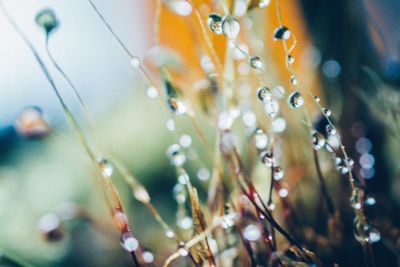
<point>255,62</point>
<point>355,199</point>
<point>47,19</point>
<point>317,99</point>
<point>183,252</point>
<point>148,257</point>
<point>318,140</point>
<point>181,7</point>
<point>293,80</point>
<point>349,162</point>
<point>370,201</point>
<point>177,105</point>
<point>279,125</point>
<point>327,112</point>
<point>135,62</point>
<point>152,92</point>
<point>128,242</point>
<point>263,3</point>
<point>203,174</point>
<point>261,139</point>
<point>176,157</point>
<point>215,23</point>
<point>277,173</point>
<point>264,94</point>
<point>230,27</point>
<point>282,33</point>
<point>330,129</point>
<point>271,206</point>
<point>49,226</point>
<point>271,107</point>
<point>290,59</point>
<point>170,125</point>
<point>364,232</point>
<point>169,234</point>
<point>267,158</point>
<point>105,167</point>
<point>185,140</point>
<point>31,124</point>
<point>295,100</point>
<point>283,192</point>
<point>251,233</point>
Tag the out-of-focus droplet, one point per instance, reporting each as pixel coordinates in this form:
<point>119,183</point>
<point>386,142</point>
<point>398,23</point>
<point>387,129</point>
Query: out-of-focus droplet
<point>181,7</point>
<point>290,59</point>
<point>135,62</point>
<point>277,173</point>
<point>260,139</point>
<point>251,233</point>
<point>121,220</point>
<point>49,226</point>
<point>278,125</point>
<point>293,80</point>
<point>330,129</point>
<point>170,125</point>
<point>185,140</point>
<point>227,142</point>
<point>264,94</point>
<point>282,33</point>
<point>47,19</point>
<point>179,193</point>
<point>106,168</point>
<point>215,23</point>
<point>152,92</point>
<point>31,124</point>
<point>283,192</point>
<point>183,252</point>
<point>271,107</point>
<point>327,112</point>
<point>185,223</point>
<point>295,100</point>
<point>230,27</point>
<point>176,157</point>
<point>169,233</point>
<point>370,201</point>
<point>263,3</point>
<point>318,140</point>
<point>256,62</point>
<point>128,242</point>
<point>147,256</point>
<point>203,174</point>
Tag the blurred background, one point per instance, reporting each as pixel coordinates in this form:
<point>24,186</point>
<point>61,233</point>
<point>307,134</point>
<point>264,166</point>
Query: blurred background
<point>348,53</point>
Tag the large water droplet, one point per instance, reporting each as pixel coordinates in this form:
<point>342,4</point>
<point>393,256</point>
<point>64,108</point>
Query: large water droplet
<point>230,27</point>
<point>295,100</point>
<point>264,94</point>
<point>330,129</point>
<point>318,140</point>
<point>282,33</point>
<point>215,23</point>
<point>364,232</point>
<point>255,62</point>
